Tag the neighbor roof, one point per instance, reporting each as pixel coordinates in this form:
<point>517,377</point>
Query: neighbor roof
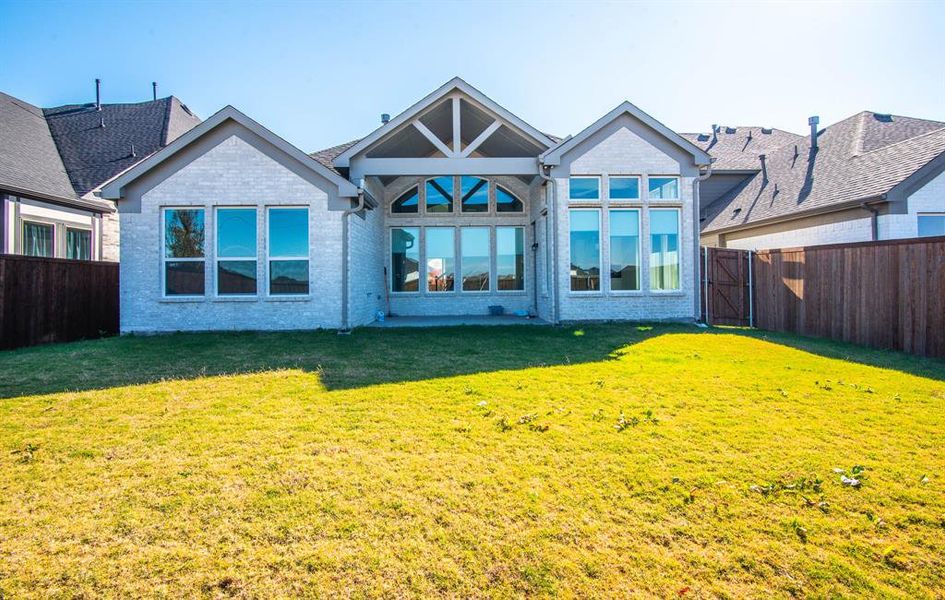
<point>29,160</point>
<point>97,144</point>
<point>862,158</point>
<point>737,148</point>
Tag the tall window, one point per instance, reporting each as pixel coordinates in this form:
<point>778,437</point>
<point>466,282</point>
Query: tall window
<point>584,188</point>
<point>931,225</point>
<point>585,250</point>
<point>38,239</point>
<point>624,188</point>
<point>236,251</point>
<point>624,250</point>
<point>664,249</point>
<point>440,195</point>
<point>663,188</point>
<point>476,258</point>
<point>510,258</point>
<point>78,244</point>
<point>474,194</point>
<point>408,202</point>
<point>405,259</point>
<point>288,251</point>
<point>184,238</point>
<point>505,201</point>
<point>441,268</point>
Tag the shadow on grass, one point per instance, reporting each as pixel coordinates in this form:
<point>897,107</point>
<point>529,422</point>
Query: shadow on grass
<point>368,356</point>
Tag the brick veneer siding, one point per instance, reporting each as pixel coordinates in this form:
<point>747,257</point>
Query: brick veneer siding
<point>233,173</point>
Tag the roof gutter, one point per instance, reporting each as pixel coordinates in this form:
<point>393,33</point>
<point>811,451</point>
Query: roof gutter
<point>794,217</point>
<point>553,211</point>
<point>345,266</point>
<point>96,205</point>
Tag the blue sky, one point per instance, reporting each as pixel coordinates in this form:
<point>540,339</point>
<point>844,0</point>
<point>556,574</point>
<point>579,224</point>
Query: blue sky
<point>319,74</point>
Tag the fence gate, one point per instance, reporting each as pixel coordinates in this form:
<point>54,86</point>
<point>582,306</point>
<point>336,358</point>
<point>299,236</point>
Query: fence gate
<point>726,287</point>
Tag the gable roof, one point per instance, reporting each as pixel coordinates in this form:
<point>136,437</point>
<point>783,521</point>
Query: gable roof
<point>737,148</point>
<point>29,160</point>
<point>97,144</point>
<point>862,158</point>
<point>454,84</point>
<point>553,155</point>
<point>113,188</point>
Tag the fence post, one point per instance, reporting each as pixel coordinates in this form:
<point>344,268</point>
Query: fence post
<point>751,291</point>
<point>705,282</point>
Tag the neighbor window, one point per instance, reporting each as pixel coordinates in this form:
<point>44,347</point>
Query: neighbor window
<point>476,258</point>
<point>405,259</point>
<point>184,238</point>
<point>236,251</point>
<point>624,250</point>
<point>38,239</point>
<point>663,188</point>
<point>505,201</point>
<point>510,258</point>
<point>931,225</point>
<point>440,195</point>
<point>584,188</point>
<point>408,202</point>
<point>585,250</point>
<point>474,194</point>
<point>78,244</point>
<point>624,188</point>
<point>664,249</point>
<point>288,251</point>
<point>441,268</point>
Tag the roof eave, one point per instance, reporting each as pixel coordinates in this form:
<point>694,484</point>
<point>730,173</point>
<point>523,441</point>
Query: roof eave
<point>873,199</point>
<point>87,203</point>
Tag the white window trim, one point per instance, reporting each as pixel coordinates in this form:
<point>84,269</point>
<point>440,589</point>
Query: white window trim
<point>678,197</point>
<point>65,232</point>
<point>165,259</point>
<point>426,265</point>
<point>610,234</point>
<point>420,261</point>
<point>586,201</point>
<point>269,257</point>
<point>600,253</point>
<point>217,259</point>
<point>38,221</point>
<point>926,214</point>
<point>639,197</point>
<point>679,251</point>
<point>492,256</point>
<point>524,289</point>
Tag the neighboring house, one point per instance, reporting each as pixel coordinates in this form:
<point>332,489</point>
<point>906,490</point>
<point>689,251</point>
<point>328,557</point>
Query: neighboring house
<point>452,207</point>
<point>53,160</point>
<point>869,177</point>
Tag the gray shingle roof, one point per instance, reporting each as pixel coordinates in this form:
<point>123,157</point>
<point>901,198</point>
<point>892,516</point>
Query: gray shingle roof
<point>326,156</point>
<point>737,148</point>
<point>859,158</point>
<point>97,144</point>
<point>29,159</point>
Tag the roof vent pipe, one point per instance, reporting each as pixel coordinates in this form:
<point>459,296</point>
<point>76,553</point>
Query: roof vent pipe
<point>715,132</point>
<point>813,122</point>
<point>385,118</point>
<point>764,168</point>
<point>133,153</point>
<point>154,90</point>
<point>98,94</point>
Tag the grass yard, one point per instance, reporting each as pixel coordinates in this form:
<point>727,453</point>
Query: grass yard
<point>607,460</point>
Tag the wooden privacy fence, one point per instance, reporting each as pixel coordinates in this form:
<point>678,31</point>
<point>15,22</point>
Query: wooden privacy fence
<point>56,300</point>
<point>888,294</point>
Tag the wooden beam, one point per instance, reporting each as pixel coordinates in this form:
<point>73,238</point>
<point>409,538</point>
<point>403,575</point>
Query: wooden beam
<point>480,139</point>
<point>457,138</point>
<point>364,167</point>
<point>433,139</point>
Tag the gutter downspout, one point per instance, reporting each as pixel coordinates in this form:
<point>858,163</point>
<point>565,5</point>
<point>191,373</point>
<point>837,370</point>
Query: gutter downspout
<point>553,211</point>
<point>697,211</point>
<point>874,220</point>
<point>345,328</point>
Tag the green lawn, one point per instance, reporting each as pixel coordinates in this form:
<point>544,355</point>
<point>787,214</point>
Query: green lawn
<point>599,461</point>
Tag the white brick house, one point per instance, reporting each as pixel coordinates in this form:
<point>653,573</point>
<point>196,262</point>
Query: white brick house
<point>453,207</point>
